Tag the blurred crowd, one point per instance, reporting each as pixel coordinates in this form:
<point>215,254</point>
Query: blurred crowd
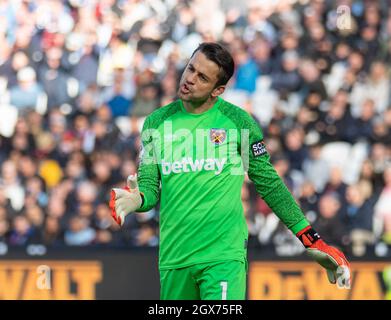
<point>78,78</point>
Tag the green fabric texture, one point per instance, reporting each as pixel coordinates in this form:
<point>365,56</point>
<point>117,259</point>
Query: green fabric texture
<point>217,281</point>
<point>267,182</point>
<point>196,163</point>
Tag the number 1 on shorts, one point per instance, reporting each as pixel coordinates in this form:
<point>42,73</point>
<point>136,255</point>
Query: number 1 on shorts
<point>224,286</point>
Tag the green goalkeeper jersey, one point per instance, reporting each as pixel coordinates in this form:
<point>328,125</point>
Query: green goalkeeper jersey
<point>196,164</point>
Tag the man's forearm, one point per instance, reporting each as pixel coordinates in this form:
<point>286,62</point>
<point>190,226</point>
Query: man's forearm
<point>273,190</point>
<point>149,199</point>
<point>283,204</point>
<point>149,186</point>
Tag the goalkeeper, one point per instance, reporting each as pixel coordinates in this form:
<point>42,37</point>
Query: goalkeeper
<point>196,151</point>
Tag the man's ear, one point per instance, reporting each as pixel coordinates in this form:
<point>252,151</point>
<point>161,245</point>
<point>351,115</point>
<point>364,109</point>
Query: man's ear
<point>218,91</point>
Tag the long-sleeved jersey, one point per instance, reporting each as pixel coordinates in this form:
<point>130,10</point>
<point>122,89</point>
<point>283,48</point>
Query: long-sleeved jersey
<point>196,163</point>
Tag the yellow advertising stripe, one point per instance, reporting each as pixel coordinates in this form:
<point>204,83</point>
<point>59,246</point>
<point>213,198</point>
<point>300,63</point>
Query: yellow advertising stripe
<point>288,280</point>
<point>297,266</point>
<point>49,279</point>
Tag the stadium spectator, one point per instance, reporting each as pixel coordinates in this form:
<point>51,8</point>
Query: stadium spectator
<point>10,68</point>
<point>79,232</point>
<point>22,232</point>
<point>145,101</point>
<point>287,79</point>
<point>247,70</point>
<point>260,50</point>
<point>4,230</point>
<point>315,168</point>
<point>295,149</point>
<point>364,123</point>
<point>52,234</point>
<point>335,182</point>
<point>358,213</point>
<point>382,227</point>
<point>329,219</point>
<point>11,185</point>
<point>54,79</point>
<point>375,86</point>
<point>308,200</point>
<point>27,92</point>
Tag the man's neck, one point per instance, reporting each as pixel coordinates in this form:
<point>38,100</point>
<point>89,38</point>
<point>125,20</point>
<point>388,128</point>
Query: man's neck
<point>200,107</point>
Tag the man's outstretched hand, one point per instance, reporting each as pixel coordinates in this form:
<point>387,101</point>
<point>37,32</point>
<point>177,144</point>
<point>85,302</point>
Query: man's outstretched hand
<point>126,200</point>
<point>330,258</point>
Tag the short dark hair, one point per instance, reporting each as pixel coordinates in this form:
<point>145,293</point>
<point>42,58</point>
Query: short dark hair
<point>221,56</point>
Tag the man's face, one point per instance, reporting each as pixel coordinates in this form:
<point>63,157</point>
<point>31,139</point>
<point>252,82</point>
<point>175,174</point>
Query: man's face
<point>199,79</point>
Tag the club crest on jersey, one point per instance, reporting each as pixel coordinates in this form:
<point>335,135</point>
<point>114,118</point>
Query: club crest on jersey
<point>217,136</point>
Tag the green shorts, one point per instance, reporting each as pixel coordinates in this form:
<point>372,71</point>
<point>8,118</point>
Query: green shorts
<point>210,281</point>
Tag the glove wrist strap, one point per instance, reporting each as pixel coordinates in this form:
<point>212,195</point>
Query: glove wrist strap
<point>308,236</point>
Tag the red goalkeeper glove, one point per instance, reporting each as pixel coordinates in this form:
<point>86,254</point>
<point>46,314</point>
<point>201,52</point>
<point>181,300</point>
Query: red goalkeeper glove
<point>126,200</point>
<point>330,258</point>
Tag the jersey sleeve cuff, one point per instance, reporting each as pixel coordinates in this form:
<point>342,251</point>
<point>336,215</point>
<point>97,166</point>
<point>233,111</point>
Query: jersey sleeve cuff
<point>143,203</point>
<point>299,226</point>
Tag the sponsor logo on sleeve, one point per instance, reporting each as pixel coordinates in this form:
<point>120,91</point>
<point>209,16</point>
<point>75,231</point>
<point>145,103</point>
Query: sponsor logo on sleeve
<point>258,148</point>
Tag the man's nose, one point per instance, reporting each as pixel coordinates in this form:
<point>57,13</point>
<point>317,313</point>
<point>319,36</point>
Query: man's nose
<point>190,78</point>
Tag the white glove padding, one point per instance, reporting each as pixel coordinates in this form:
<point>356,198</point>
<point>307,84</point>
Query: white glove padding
<point>336,265</point>
<point>125,201</point>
